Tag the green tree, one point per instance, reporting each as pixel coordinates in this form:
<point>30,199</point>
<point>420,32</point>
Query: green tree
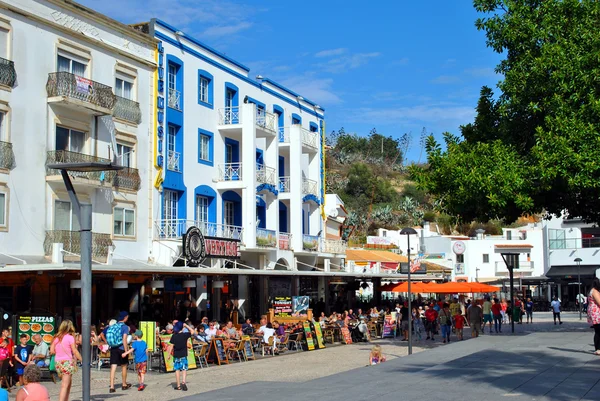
<point>537,147</point>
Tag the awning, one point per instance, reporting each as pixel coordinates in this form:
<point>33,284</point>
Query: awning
<point>571,271</point>
<point>366,255</point>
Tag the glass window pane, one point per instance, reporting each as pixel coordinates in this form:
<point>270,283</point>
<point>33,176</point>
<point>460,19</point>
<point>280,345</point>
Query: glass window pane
<point>3,43</point>
<point>129,222</point>
<point>62,138</point>
<point>127,90</point>
<point>119,87</point>
<point>77,141</point>
<point>2,209</point>
<point>118,221</point>
<point>78,68</point>
<point>62,215</point>
<point>63,64</point>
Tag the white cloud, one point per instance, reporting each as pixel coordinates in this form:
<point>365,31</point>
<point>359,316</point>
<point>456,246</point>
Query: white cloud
<point>347,62</point>
<point>316,89</point>
<point>481,72</point>
<point>331,52</point>
<point>445,79</point>
<point>429,114</point>
<point>223,30</point>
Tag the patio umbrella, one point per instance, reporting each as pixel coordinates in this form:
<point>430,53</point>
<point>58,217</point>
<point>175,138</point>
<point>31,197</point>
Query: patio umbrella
<point>387,287</point>
<point>415,287</point>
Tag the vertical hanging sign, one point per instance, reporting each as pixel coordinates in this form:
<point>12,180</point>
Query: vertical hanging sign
<point>160,117</point>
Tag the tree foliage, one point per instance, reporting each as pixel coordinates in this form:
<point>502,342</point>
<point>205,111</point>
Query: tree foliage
<point>537,146</point>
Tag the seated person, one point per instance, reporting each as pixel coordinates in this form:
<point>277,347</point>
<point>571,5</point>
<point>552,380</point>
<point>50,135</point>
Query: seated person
<point>247,327</point>
<point>268,332</point>
<point>230,331</point>
<point>40,354</point>
<point>351,314</point>
<point>201,334</point>
<point>211,332</point>
<point>204,323</point>
<point>298,328</point>
<point>279,330</point>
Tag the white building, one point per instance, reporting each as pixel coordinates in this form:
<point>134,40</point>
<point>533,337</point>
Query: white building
<point>71,80</point>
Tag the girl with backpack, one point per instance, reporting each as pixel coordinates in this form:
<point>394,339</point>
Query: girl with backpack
<point>65,354</point>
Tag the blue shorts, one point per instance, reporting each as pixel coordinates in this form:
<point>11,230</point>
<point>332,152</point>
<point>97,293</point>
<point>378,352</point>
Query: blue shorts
<point>180,363</point>
<point>20,371</point>
<point>488,318</point>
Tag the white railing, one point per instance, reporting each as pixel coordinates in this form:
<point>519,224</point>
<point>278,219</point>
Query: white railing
<point>174,99</point>
<point>524,266</point>
<point>284,135</point>
<point>266,120</point>
<point>230,115</point>
<point>266,238</point>
<point>230,172</point>
<point>265,175</point>
<point>173,160</point>
<point>309,187</point>
<point>310,139</point>
<point>333,246</point>
<point>284,184</point>
<point>285,241</point>
<point>175,228</point>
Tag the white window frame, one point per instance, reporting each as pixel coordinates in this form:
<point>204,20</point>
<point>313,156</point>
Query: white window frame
<point>73,58</point>
<point>204,148</point>
<point>170,198</point>
<point>83,150</point>
<point>120,86</point>
<point>202,205</point>
<point>72,217</point>
<point>4,126</point>
<point>203,84</point>
<point>4,221</point>
<point>229,213</point>
<point>131,153</point>
<point>172,76</point>
<point>124,209</point>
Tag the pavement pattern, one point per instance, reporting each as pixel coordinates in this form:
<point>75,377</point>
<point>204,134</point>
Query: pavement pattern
<point>541,361</point>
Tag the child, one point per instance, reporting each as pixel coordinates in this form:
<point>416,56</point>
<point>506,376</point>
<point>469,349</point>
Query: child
<point>23,355</point>
<point>376,356</point>
<point>4,353</point>
<point>459,324</point>
<point>178,347</point>
<point>139,347</point>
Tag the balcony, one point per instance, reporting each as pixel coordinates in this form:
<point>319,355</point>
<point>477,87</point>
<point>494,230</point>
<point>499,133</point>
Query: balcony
<point>8,75</point>
<point>310,140</point>
<point>524,267</point>
<point>127,110</point>
<point>266,122</point>
<point>174,229</point>
<point>174,100</point>
<point>173,160</point>
<point>101,243</point>
<point>309,187</point>
<point>64,156</point>
<point>310,242</point>
<point>333,246</point>
<point>266,238</point>
<point>266,175</point>
<point>230,116</point>
<point>7,156</point>
<point>82,93</point>
<point>285,241</point>
<point>284,184</point>
<point>230,172</point>
<point>573,243</point>
<point>127,178</point>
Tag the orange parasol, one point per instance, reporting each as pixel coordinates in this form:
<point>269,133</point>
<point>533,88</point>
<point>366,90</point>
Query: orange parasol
<point>415,287</point>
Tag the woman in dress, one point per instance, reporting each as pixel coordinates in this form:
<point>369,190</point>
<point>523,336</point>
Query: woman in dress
<point>593,313</point>
<point>65,352</point>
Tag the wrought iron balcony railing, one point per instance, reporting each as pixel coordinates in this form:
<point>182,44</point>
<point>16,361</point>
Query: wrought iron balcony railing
<point>7,156</point>
<point>71,241</point>
<point>127,178</point>
<point>127,110</point>
<point>8,75</point>
<point>64,156</point>
<point>174,99</point>
<point>266,238</point>
<point>83,89</point>
<point>173,160</point>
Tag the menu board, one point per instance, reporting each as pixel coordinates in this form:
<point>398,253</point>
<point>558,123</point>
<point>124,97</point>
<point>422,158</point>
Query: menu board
<point>300,305</point>
<point>149,334</point>
<point>309,337</point>
<point>248,347</point>
<point>42,325</point>
<point>319,335</point>
<point>346,335</point>
<point>217,352</point>
<point>283,306</point>
<point>168,359</point>
<point>389,326</point>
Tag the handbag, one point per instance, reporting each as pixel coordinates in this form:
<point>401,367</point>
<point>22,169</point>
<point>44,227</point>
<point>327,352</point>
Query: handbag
<point>52,365</point>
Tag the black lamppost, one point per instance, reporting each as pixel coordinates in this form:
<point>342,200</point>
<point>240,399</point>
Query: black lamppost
<point>84,215</point>
<point>408,231</point>
<point>578,261</point>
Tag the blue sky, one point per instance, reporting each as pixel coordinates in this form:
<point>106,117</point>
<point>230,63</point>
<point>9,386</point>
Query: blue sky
<point>396,66</point>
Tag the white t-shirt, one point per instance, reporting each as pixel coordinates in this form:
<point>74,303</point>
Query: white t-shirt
<point>210,333</point>
<point>267,332</point>
<point>555,306</point>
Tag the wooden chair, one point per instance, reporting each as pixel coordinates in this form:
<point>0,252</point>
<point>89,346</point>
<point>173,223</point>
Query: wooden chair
<point>283,344</point>
<point>103,358</point>
<point>237,351</point>
<point>200,354</point>
<point>372,329</point>
<point>269,346</point>
<point>328,334</point>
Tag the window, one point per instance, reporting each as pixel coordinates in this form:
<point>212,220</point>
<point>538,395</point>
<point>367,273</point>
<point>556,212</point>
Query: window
<point>486,258</point>
<point>4,35</point>
<point>3,209</point>
<point>203,89</point>
<point>205,147</point>
<point>228,153</point>
<point>124,222</point>
<point>69,140</point>
<point>508,234</point>
<point>229,213</point>
<point>204,142</point>
<point>64,219</point>
<point>171,136</point>
<point>3,128</point>
<point>170,204</point>
<point>125,155</point>
<point>124,88</point>
<point>68,64</point>
<point>201,208</point>
<point>460,258</point>
<point>171,76</point>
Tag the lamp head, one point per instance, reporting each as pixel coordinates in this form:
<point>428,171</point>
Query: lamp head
<point>259,77</point>
<point>408,231</point>
<point>578,260</point>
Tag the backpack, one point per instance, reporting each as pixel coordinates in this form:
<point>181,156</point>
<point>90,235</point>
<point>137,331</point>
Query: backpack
<point>114,336</point>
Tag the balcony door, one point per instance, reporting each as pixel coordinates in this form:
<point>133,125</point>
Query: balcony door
<point>229,213</point>
<point>70,140</point>
<point>64,218</point>
<point>170,202</point>
<point>71,65</point>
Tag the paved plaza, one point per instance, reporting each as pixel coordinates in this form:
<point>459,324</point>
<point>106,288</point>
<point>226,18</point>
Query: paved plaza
<point>540,362</point>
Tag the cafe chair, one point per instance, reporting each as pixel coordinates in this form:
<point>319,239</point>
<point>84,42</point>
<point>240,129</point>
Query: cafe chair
<point>237,352</point>
<point>372,326</point>
<point>200,354</point>
<point>283,345</point>
<point>328,336</point>
<point>270,346</point>
<point>103,359</point>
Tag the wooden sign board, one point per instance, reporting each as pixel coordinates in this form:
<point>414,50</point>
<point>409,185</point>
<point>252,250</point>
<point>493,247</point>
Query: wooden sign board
<point>248,347</point>
<point>217,352</point>
<point>319,334</point>
<point>309,337</point>
<point>168,359</point>
<point>149,334</point>
<point>346,335</point>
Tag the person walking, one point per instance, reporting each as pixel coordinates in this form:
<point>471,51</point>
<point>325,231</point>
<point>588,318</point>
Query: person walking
<point>555,305</point>
<point>178,350</point>
<point>446,323</point>
<point>593,313</point>
<point>497,313</point>
<point>430,322</point>
<point>475,317</point>
<point>116,337</point>
<point>504,306</point>
<point>529,310</point>
<point>65,352</point>
<point>487,314</point>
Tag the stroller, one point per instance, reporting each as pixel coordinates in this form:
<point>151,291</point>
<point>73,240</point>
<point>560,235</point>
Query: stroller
<point>359,332</point>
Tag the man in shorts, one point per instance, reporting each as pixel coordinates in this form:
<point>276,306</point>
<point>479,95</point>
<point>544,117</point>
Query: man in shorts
<point>475,315</point>
<point>487,314</point>
<point>116,354</point>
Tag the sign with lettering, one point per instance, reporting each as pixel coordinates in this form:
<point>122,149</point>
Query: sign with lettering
<point>165,340</point>
<point>319,335</point>
<point>84,85</point>
<point>309,336</point>
<point>217,352</point>
<point>416,268</point>
<point>373,240</point>
<point>149,334</point>
<point>284,241</point>
<point>300,305</point>
<point>45,326</point>
<point>248,347</point>
<point>222,247</point>
<point>282,306</point>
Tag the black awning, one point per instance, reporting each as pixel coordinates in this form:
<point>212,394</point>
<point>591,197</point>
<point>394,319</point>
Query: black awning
<point>572,271</point>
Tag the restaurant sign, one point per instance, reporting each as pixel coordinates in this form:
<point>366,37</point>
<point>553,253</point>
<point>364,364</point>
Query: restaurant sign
<point>282,306</point>
<point>197,247</point>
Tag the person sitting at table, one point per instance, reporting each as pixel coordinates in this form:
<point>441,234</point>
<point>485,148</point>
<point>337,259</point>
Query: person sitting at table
<point>201,334</point>
<point>230,331</point>
<point>360,314</point>
<point>211,332</point>
<point>279,329</point>
<point>204,322</point>
<point>40,353</point>
<point>351,315</point>
<point>248,328</point>
<point>269,332</point>
<point>374,312</point>
<point>323,319</point>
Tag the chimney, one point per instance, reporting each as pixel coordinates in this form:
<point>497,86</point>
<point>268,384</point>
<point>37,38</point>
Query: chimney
<point>480,233</point>
<point>426,229</point>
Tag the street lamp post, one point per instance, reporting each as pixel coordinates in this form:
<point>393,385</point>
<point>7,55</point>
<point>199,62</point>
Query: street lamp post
<point>578,261</point>
<point>408,231</point>
<point>84,215</point>
<point>511,260</point>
